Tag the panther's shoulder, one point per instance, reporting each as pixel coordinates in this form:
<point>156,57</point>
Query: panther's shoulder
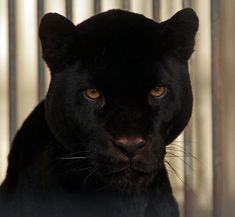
<point>30,142</point>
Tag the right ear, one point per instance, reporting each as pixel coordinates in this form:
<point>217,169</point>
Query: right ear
<point>58,40</point>
<point>178,34</point>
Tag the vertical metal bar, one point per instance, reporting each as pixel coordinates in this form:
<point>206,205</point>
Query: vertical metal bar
<point>41,67</point>
<point>156,10</point>
<point>216,106</point>
<point>187,3</point>
<point>188,174</point>
<point>69,11</point>
<point>126,4</point>
<point>12,69</point>
<point>97,6</point>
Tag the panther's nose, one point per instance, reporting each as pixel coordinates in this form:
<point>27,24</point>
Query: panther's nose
<point>129,145</point>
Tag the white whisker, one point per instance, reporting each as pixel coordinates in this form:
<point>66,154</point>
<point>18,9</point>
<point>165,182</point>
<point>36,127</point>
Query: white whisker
<point>72,158</point>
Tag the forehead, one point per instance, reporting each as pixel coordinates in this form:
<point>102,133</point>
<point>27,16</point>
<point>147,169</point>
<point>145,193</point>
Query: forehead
<point>118,38</point>
<point>122,52</point>
<point>119,77</point>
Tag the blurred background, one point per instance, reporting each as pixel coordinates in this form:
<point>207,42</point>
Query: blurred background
<point>202,158</point>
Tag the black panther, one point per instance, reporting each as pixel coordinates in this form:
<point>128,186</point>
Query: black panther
<point>119,94</point>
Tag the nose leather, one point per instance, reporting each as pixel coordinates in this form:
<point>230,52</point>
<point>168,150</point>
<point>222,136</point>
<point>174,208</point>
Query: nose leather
<point>129,145</point>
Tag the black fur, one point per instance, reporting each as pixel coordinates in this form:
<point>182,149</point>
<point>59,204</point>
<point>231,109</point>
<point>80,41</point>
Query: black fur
<point>124,55</point>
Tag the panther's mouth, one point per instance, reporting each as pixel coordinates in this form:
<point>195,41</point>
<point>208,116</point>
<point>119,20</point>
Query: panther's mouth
<point>128,173</point>
<point>129,168</point>
<point>130,180</point>
<point>123,172</point>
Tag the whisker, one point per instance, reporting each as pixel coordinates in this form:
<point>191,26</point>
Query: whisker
<point>72,158</point>
<point>174,170</point>
<point>105,187</point>
<point>176,145</point>
<point>82,169</point>
<point>181,141</point>
<point>173,155</point>
<point>90,174</point>
<point>180,149</point>
<point>180,158</point>
<point>77,152</point>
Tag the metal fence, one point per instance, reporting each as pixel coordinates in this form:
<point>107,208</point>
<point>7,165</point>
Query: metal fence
<point>156,11</point>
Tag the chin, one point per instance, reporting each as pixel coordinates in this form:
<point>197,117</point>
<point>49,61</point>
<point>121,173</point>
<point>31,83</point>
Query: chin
<point>129,181</point>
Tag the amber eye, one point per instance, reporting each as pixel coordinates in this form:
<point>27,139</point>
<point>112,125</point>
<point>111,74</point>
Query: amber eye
<point>158,91</point>
<point>92,94</point>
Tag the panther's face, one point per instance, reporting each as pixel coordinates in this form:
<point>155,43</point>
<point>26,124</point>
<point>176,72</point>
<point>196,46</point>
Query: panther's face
<point>120,91</point>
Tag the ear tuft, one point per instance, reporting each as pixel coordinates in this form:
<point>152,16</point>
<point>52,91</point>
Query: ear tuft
<point>57,35</point>
<point>179,32</point>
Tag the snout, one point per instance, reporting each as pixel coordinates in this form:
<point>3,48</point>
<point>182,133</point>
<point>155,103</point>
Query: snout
<point>131,164</point>
<point>129,145</point>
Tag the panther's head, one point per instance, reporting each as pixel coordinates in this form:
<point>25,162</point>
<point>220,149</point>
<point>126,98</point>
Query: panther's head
<point>120,90</point>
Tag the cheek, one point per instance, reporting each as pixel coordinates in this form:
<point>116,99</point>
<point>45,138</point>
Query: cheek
<point>83,116</point>
<point>166,112</point>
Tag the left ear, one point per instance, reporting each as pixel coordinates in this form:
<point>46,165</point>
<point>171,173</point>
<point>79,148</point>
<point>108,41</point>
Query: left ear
<point>178,33</point>
<point>58,39</point>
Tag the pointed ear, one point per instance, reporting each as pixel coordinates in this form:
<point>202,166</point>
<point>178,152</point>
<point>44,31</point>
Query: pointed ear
<point>58,37</point>
<point>178,33</point>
